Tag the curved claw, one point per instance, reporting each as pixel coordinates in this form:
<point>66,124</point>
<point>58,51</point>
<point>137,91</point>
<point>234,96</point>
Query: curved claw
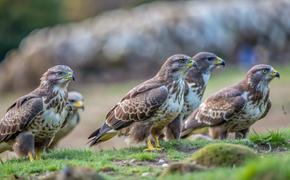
<point>151,148</point>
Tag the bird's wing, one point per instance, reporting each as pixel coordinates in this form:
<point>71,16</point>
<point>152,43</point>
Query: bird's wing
<point>139,105</point>
<point>217,109</point>
<point>18,115</point>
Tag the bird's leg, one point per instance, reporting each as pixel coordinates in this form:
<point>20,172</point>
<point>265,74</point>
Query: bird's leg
<point>31,156</point>
<point>157,145</point>
<point>241,134</point>
<point>223,135</point>
<point>38,155</point>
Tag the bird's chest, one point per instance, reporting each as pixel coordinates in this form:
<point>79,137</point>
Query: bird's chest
<point>191,101</point>
<point>251,113</point>
<point>48,122</point>
<point>255,107</point>
<point>72,120</point>
<point>172,106</point>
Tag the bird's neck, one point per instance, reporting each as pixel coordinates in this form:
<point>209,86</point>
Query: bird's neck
<point>51,90</point>
<point>198,79</point>
<point>167,77</point>
<point>258,89</point>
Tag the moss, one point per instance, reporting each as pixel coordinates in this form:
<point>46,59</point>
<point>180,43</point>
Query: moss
<point>270,168</point>
<point>222,155</point>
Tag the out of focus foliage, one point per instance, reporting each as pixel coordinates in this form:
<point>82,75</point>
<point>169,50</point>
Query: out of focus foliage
<point>18,18</point>
<point>132,42</point>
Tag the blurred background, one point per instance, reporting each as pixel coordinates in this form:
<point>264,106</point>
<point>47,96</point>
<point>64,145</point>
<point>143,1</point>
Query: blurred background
<point>113,45</point>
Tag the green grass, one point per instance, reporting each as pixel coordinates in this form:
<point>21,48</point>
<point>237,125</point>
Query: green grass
<point>132,163</point>
<point>272,138</point>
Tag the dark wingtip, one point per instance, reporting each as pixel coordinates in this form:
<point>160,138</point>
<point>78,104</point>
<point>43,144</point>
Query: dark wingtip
<point>96,132</point>
<point>92,142</point>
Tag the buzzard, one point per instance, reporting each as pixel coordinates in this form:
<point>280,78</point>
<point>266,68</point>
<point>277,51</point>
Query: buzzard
<point>197,80</point>
<point>41,112</point>
<point>154,103</point>
<point>236,108</point>
<point>76,102</point>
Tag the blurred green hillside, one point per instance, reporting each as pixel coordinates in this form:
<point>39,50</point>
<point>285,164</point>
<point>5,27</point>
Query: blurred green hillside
<point>18,18</point>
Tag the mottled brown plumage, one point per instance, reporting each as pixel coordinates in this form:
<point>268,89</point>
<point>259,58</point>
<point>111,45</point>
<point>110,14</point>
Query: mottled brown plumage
<point>76,102</point>
<point>236,108</point>
<point>156,101</point>
<point>40,112</point>
<point>196,82</point>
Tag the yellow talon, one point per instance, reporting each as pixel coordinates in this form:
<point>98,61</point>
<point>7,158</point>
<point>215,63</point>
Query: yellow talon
<point>150,147</point>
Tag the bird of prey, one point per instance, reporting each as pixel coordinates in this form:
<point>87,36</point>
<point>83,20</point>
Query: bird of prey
<point>236,108</point>
<point>197,80</point>
<point>24,145</point>
<point>156,101</point>
<point>76,101</point>
<point>41,112</point>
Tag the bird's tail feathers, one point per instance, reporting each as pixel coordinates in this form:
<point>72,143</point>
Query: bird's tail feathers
<point>102,134</point>
<point>188,128</point>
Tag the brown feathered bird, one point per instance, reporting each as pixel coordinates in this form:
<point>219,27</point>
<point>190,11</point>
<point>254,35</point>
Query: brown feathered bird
<point>236,108</point>
<point>76,102</point>
<point>41,112</point>
<point>197,80</point>
<point>24,145</point>
<point>154,103</point>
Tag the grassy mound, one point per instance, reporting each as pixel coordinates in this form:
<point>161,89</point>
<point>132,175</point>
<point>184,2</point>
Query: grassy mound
<point>222,155</point>
<point>270,168</point>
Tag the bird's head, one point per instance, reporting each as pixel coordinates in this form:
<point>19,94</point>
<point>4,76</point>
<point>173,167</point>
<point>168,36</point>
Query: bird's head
<point>59,75</point>
<point>262,73</point>
<point>206,62</point>
<point>177,66</point>
<point>76,100</point>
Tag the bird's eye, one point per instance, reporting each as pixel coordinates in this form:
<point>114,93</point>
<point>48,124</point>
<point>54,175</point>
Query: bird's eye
<point>211,58</point>
<point>61,73</point>
<point>265,71</point>
<point>182,60</point>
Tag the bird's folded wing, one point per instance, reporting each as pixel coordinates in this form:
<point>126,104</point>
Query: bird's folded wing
<point>19,115</point>
<point>138,106</point>
<point>220,108</point>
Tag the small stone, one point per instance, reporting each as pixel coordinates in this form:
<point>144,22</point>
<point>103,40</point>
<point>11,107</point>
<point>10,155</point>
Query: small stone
<point>145,174</point>
<point>132,161</point>
<point>165,165</point>
<point>161,161</point>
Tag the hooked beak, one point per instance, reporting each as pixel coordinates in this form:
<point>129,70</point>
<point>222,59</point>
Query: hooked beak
<point>220,62</point>
<point>191,63</point>
<point>275,74</point>
<point>70,76</point>
<point>79,105</point>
